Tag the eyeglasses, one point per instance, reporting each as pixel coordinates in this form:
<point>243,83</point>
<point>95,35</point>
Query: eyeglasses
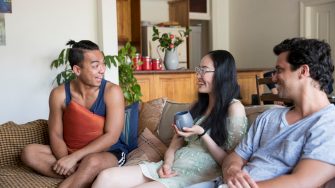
<point>202,71</point>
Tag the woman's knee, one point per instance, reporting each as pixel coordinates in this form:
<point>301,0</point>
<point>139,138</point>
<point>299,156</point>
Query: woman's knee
<point>106,177</point>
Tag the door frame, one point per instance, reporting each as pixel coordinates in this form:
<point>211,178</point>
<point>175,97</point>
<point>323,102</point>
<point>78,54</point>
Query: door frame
<point>303,9</point>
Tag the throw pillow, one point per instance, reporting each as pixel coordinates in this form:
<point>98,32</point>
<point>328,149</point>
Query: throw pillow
<point>130,128</point>
<point>165,131</point>
<point>150,114</point>
<point>150,148</point>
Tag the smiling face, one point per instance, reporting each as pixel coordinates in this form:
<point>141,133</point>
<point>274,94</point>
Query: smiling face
<point>287,79</point>
<point>205,75</point>
<point>92,69</point>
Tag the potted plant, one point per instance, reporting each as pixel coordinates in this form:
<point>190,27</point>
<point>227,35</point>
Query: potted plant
<point>168,43</point>
<point>128,83</point>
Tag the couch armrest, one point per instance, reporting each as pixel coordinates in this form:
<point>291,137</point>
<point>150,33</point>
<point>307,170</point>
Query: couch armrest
<point>14,137</point>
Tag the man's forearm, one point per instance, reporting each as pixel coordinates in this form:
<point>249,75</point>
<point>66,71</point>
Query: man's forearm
<point>231,163</point>
<point>279,182</point>
<point>58,148</point>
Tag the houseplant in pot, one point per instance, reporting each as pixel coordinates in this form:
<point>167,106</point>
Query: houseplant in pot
<point>168,43</point>
<point>128,83</point>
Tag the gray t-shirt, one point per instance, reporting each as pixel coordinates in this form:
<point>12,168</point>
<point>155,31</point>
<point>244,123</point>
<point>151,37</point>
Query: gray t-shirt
<point>273,148</point>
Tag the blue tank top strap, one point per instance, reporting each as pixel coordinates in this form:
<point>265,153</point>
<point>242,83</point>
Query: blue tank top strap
<point>67,93</point>
<point>99,106</point>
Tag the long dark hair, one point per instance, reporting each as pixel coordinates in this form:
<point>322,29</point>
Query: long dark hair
<point>225,89</point>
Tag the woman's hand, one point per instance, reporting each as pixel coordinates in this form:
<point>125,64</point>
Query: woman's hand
<point>165,171</point>
<point>194,130</point>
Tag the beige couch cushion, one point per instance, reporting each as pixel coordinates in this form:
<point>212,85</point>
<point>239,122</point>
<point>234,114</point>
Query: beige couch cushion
<point>150,114</point>
<point>150,148</point>
<point>165,131</point>
<point>253,111</point>
<point>14,137</point>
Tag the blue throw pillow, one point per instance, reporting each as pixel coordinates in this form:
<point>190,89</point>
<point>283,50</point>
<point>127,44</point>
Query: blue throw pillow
<point>130,128</point>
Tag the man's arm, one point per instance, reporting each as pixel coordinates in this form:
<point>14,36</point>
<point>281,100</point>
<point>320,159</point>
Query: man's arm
<point>232,165</point>
<point>307,173</point>
<point>55,123</point>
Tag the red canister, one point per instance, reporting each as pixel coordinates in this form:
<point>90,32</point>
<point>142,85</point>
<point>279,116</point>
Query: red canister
<point>156,64</point>
<point>136,60</point>
<point>146,63</point>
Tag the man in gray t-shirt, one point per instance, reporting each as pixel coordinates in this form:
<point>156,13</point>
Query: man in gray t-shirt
<point>291,147</point>
<point>277,146</point>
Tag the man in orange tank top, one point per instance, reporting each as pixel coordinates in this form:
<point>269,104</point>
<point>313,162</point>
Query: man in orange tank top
<point>85,122</point>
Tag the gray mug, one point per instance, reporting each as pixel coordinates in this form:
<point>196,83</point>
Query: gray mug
<point>183,119</point>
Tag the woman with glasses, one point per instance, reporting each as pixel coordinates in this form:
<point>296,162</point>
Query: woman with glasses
<point>195,154</point>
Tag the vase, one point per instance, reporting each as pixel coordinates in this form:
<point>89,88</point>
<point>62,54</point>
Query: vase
<point>171,59</point>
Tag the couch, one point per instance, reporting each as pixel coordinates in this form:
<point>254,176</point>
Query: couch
<point>154,135</point>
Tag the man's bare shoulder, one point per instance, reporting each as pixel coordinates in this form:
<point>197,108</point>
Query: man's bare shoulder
<point>57,94</point>
<point>111,88</point>
<point>113,92</point>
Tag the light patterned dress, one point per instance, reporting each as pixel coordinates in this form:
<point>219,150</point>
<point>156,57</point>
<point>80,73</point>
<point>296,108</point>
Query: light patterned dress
<point>193,163</point>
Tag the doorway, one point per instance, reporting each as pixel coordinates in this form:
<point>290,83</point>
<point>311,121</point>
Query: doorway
<point>317,20</point>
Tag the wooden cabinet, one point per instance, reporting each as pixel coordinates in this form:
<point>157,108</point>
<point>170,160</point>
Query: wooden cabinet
<point>129,22</point>
<point>247,81</point>
<point>179,86</point>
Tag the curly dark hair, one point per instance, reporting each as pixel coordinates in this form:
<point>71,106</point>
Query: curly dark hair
<point>76,52</point>
<point>312,52</point>
<point>225,90</point>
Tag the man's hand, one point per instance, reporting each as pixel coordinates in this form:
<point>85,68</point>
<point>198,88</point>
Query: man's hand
<point>237,178</point>
<point>165,171</point>
<point>65,166</point>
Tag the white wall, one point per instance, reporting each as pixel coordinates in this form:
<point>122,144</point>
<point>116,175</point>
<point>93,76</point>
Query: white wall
<point>257,25</point>
<point>36,32</point>
<point>155,11</point>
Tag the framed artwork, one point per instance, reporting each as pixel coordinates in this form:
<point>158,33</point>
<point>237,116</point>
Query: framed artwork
<point>2,30</point>
<point>5,6</point>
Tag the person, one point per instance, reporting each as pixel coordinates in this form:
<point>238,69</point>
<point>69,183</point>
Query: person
<point>85,122</point>
<point>289,146</point>
<point>272,87</point>
<point>220,122</point>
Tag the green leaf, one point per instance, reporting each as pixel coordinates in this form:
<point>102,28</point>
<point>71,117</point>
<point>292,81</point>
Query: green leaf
<point>59,77</point>
<point>54,64</point>
<point>128,83</point>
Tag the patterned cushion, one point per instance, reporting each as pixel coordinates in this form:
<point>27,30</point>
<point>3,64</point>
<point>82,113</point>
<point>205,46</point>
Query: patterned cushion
<point>21,176</point>
<point>130,128</point>
<point>150,148</point>
<point>150,115</point>
<point>14,137</point>
<point>165,131</point>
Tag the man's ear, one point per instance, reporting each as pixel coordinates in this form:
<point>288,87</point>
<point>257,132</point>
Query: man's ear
<point>304,70</point>
<point>76,70</point>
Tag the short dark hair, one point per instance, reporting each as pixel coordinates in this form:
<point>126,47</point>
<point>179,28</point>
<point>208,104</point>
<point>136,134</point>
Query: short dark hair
<point>77,49</point>
<point>312,52</point>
